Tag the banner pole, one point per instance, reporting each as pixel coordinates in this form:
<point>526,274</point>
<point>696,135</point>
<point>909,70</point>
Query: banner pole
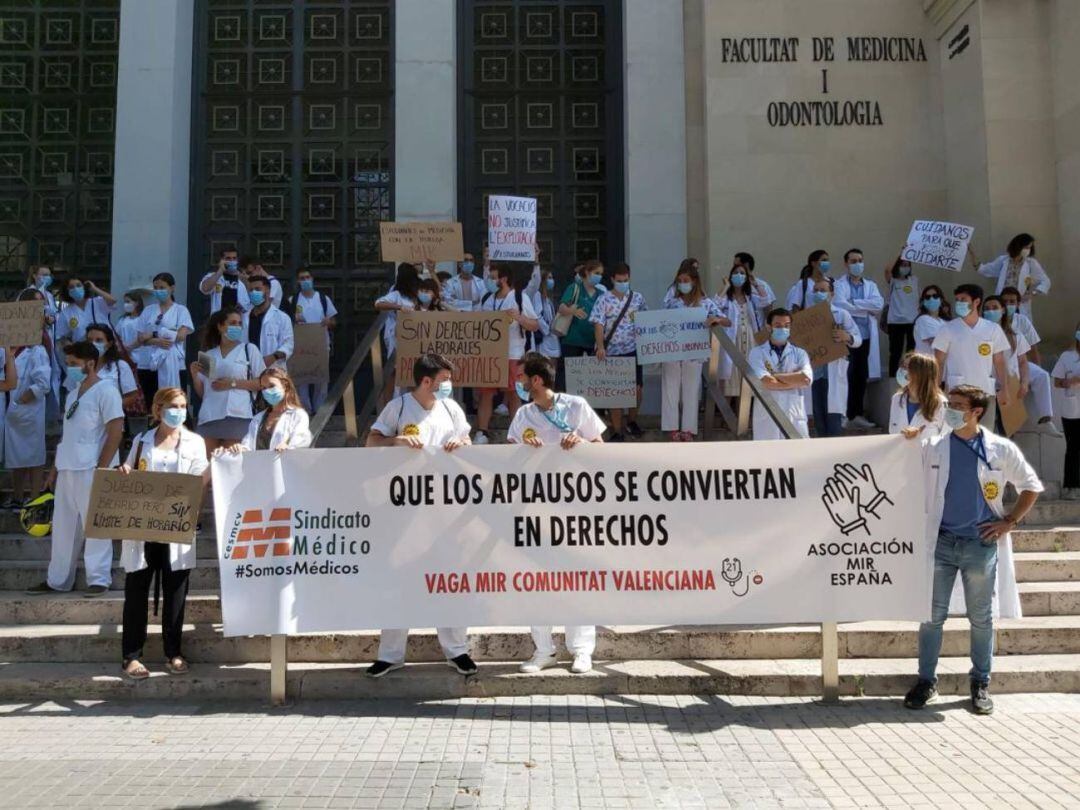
<point>279,665</point>
<point>830,664</point>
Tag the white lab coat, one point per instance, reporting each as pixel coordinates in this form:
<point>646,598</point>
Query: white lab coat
<point>764,302</point>
<point>898,418</point>
<point>870,305</point>
<point>168,362</point>
<point>191,459</point>
<point>838,369</point>
<point>763,362</point>
<point>291,430</point>
<point>547,342</point>
<point>24,428</point>
<point>1007,466</point>
<point>276,334</point>
<point>731,310</point>
<point>1031,278</point>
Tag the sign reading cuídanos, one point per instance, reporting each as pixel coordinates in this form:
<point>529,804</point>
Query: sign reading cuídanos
<point>794,531</point>
<point>938,244</point>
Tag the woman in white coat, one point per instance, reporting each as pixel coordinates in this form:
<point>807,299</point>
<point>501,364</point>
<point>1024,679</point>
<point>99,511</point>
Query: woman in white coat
<point>919,406</point>
<point>168,448</point>
<point>283,424</point>
<point>738,303</point>
<point>829,390</point>
<point>1018,268</point>
<point>164,327</point>
<point>24,427</point>
<point>41,279</point>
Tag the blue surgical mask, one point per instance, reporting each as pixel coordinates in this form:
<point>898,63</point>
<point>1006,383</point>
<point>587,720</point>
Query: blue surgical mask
<point>550,283</point>
<point>993,315</point>
<point>161,295</point>
<point>77,293</point>
<point>820,296</point>
<point>307,285</point>
<point>468,267</point>
<point>781,334</point>
<point>273,395</point>
<point>932,304</point>
<point>491,284</point>
<point>45,282</point>
<point>75,375</point>
<point>685,287</point>
<point>824,265</point>
<point>234,333</point>
<point>129,307</point>
<point>738,279</point>
<point>622,287</point>
<point>955,419</point>
<point>902,377</point>
<point>1011,309</point>
<point>963,308</point>
<point>856,269</point>
<point>523,395</point>
<point>424,297</point>
<point>444,390</point>
<point>231,265</point>
<point>257,297</point>
<point>174,417</point>
<point>905,270</point>
<point>595,278</point>
<point>101,347</point>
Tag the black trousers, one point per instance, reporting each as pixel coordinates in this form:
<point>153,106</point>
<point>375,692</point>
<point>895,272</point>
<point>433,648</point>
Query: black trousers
<point>174,589</point>
<point>857,374</point>
<point>901,341</point>
<point>1072,453</point>
<point>148,384</point>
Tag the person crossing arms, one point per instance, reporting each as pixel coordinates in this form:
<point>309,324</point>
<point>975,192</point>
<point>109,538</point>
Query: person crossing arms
<point>785,370</point>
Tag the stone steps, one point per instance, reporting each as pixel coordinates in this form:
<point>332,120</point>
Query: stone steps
<point>435,681</point>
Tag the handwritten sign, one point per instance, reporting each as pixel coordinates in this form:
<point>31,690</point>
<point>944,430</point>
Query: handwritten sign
<point>938,244</point>
<point>812,330</point>
<point>415,241</point>
<point>477,343</point>
<point>608,383</point>
<point>154,506</point>
<point>511,228</point>
<point>664,335</point>
<point>310,360</point>
<point>21,323</point>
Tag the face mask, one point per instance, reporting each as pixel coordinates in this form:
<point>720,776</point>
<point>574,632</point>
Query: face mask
<point>856,269</point>
<point>1025,253</point>
<point>101,346</point>
<point>1011,309</point>
<point>824,265</point>
<point>77,293</point>
<point>424,297</point>
<point>992,315</point>
<point>491,284</point>
<point>932,304</point>
<point>234,333</point>
<point>231,265</point>
<point>129,307</point>
<point>468,267</point>
<point>963,308</point>
<point>781,334</point>
<point>685,287</point>
<point>174,417</point>
<point>902,377</point>
<point>45,282</point>
<point>738,279</point>
<point>622,287</point>
<point>821,296</point>
<point>75,375</point>
<point>161,295</point>
<point>595,278</point>
<point>273,395</point>
<point>550,284</point>
<point>444,390</point>
<point>307,284</point>
<point>523,395</point>
<point>905,270</point>
<point>257,297</point>
<point>955,419</point>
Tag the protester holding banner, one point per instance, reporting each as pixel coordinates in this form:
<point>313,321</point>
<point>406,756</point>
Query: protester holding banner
<point>680,380</point>
<point>1041,384</point>
<point>93,429</point>
<point>1018,268</point>
<point>283,424</point>
<point>934,310</point>
<point>613,323</point>
<point>402,296</point>
<point>228,381</point>
<point>919,406</point>
<point>79,311</point>
<point>578,301</point>
<point>115,365</point>
<point>1066,376</point>
<point>224,285</point>
<point>427,416</point>
<point>829,390</point>
<point>966,473</point>
<point>164,327</point>
<point>673,287</point>
<point>464,291</point>
<point>267,326</point>
<point>901,310</point>
<point>817,267</point>
<point>24,423</point>
<point>167,448</point>
<point>785,370</point>
<point>553,419</point>
<point>739,305</point>
<point>860,296</point>
<point>312,306</point>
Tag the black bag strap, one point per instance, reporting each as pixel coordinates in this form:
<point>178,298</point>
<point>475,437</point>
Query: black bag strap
<point>622,314</point>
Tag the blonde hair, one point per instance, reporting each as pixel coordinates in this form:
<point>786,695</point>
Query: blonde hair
<point>162,398</point>
<point>923,380</point>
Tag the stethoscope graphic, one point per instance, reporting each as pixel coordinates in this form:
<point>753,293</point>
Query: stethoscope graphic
<point>731,572</point>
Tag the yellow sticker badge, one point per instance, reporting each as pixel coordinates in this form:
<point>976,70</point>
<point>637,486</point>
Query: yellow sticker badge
<point>991,490</point>
<point>142,464</point>
<point>411,430</point>
<point>907,289</point>
<point>984,349</point>
<point>73,323</point>
<point>528,433</point>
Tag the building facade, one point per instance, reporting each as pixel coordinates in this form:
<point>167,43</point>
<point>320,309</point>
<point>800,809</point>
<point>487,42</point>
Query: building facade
<point>143,135</point>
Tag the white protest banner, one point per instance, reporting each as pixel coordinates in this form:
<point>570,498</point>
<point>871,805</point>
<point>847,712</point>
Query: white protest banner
<point>672,334</point>
<point>938,244</point>
<point>608,383</point>
<point>763,532</point>
<point>511,228</point>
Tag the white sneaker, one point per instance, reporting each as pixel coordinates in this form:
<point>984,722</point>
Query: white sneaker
<point>862,422</point>
<point>480,438</point>
<point>582,663</point>
<point>502,410</point>
<point>538,662</point>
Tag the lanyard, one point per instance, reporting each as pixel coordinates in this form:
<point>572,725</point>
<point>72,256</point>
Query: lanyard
<point>979,448</point>
<point>557,420</point>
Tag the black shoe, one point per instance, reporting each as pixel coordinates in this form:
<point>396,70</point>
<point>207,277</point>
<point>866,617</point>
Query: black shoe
<point>380,668</point>
<point>980,698</point>
<point>921,693</point>
<point>41,588</point>
<point>633,430</point>
<point>463,664</point>
<point>616,437</point>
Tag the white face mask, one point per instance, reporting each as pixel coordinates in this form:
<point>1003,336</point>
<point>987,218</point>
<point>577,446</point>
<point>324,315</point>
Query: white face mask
<point>1025,253</point>
<point>955,419</point>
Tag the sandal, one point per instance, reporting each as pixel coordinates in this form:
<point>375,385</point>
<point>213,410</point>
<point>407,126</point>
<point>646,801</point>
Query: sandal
<point>177,666</point>
<point>135,671</point>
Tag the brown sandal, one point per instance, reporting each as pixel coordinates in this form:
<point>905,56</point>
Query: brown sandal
<point>177,666</point>
<point>135,671</point>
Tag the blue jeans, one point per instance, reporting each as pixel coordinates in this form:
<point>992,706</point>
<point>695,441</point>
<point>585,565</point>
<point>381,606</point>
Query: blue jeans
<point>976,563</point>
<point>825,423</point>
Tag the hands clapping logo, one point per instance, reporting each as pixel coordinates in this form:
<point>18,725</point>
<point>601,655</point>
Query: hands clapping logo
<point>850,495</point>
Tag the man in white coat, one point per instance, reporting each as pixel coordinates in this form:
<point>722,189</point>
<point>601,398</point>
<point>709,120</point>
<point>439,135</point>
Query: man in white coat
<point>223,284</point>
<point>861,297</point>
<point>266,326</point>
<point>966,473</point>
<point>829,391</point>
<point>785,370</point>
<point>464,291</point>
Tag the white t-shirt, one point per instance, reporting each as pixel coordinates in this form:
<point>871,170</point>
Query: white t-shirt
<point>970,352</point>
<point>310,310</point>
<point>73,320</point>
<point>84,429</point>
<point>926,329</point>
<point>404,416</point>
<point>903,300</point>
<point>509,304</point>
<point>1022,325</point>
<point>127,377</point>
<point>390,327</point>
<point>1012,356</point>
<point>127,330</point>
<point>1068,368</point>
<point>242,363</point>
<point>568,414</point>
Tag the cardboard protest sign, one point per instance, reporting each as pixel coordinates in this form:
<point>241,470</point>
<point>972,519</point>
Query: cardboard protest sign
<point>154,506</point>
<point>416,241</point>
<point>812,331</point>
<point>310,360</point>
<point>608,383</point>
<point>21,323</point>
<point>1015,414</point>
<point>477,343</point>
<point>938,244</point>
<point>664,335</point>
<point>511,228</point>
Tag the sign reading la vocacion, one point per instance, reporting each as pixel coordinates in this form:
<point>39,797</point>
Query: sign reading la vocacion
<point>794,531</point>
